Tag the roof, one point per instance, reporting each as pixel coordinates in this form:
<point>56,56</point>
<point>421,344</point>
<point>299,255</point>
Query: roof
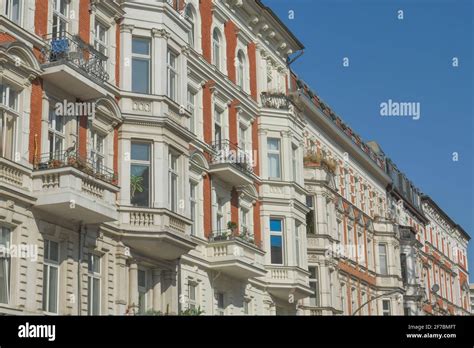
<point>430,201</point>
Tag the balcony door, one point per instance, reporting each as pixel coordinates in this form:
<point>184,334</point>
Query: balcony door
<point>60,17</point>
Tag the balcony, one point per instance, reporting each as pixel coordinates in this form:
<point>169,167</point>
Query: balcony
<point>15,181</point>
<point>73,188</point>
<point>231,164</point>
<point>74,66</point>
<point>156,232</point>
<point>235,255</point>
<point>287,282</point>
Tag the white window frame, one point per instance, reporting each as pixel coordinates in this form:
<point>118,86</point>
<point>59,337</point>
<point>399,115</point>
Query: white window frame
<point>56,134</point>
<point>92,275</point>
<point>383,258</point>
<point>144,163</point>
<point>216,48</point>
<point>173,179</point>
<point>8,11</point>
<point>47,266</point>
<point>220,310</point>
<point>172,62</point>
<point>142,291</point>
<point>281,234</point>
<point>386,312</point>
<point>218,122</point>
<point>193,204</point>
<point>60,17</point>
<point>192,295</point>
<point>314,282</point>
<point>143,57</point>
<point>9,112</point>
<point>191,106</point>
<point>241,68</point>
<point>244,226</point>
<point>97,153</point>
<point>219,214</point>
<point>297,243</point>
<point>274,153</point>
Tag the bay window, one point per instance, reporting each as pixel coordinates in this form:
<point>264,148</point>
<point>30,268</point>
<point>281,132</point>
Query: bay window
<point>276,241</point>
<point>50,276</point>
<point>274,161</point>
<point>141,58</point>
<point>140,174</point>
<point>93,285</point>
<point>5,264</point>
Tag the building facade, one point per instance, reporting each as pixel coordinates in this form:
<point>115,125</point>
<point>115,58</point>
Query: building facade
<point>160,157</point>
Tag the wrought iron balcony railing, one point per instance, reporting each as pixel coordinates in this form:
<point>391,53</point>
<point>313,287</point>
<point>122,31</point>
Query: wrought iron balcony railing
<point>228,152</point>
<point>275,100</point>
<point>73,159</point>
<point>71,49</point>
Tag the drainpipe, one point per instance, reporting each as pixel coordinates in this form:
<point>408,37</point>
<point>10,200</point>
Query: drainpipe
<point>292,60</point>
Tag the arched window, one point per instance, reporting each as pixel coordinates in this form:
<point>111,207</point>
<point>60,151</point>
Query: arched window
<point>240,69</point>
<point>189,15</point>
<point>216,47</point>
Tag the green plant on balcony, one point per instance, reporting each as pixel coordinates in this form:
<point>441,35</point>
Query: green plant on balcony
<point>232,226</point>
<point>136,184</point>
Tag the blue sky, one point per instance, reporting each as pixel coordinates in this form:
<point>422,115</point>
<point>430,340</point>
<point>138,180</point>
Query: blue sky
<point>407,60</point>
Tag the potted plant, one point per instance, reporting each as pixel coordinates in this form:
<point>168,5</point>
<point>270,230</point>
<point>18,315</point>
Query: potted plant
<point>136,184</point>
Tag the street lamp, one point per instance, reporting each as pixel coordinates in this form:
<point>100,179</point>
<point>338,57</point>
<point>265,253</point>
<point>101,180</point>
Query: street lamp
<point>376,297</point>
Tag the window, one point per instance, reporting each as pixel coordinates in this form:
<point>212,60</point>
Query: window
<point>93,285</point>
<point>140,175</point>
<point>142,290</point>
<point>8,121</point>
<point>172,67</point>
<point>297,243</point>
<point>383,259</point>
<point>191,96</point>
<point>273,146</point>
<point>189,15</point>
<point>243,221</point>
<point>240,69</point>
<point>13,10</point>
<point>56,134</point>
<point>314,285</point>
<point>218,127</point>
<point>97,152</point>
<point>343,298</point>
<point>310,227</point>
<point>5,236</point>
<point>100,38</point>
<point>220,303</point>
<point>294,162</point>
<point>340,229</point>
<point>173,181</point>
<point>219,215</point>
<point>363,301</point>
<point>193,205</point>
<point>242,137</point>
<point>50,276</point>
<point>353,300</point>
<point>276,241</point>
<point>60,18</point>
<point>386,307</point>
<point>141,58</point>
<point>403,263</point>
<point>216,48</point>
<point>192,295</point>
<point>369,253</point>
